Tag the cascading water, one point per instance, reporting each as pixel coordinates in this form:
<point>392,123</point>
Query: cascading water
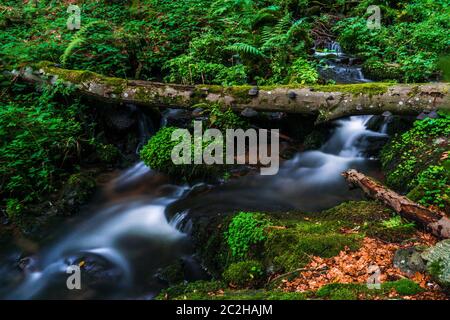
<point>128,237</point>
<point>337,66</point>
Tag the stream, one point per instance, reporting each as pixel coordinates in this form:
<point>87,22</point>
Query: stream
<point>141,222</point>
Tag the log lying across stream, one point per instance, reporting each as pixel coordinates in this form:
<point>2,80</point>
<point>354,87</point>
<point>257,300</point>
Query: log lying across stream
<point>327,101</point>
<point>434,221</point>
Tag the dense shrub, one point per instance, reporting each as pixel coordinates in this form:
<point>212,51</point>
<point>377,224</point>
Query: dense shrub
<point>157,154</point>
<point>413,34</point>
<point>38,141</point>
<point>246,230</point>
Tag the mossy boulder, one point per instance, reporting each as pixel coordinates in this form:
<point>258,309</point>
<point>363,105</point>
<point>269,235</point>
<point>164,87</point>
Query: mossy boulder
<point>244,274</point>
<point>415,162</point>
<point>157,154</point>
<point>291,248</point>
<point>173,273</point>
<point>438,262</point>
<point>378,70</point>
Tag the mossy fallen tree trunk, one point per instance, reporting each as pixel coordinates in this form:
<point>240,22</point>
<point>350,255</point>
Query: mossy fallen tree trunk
<point>327,101</point>
<point>434,221</point>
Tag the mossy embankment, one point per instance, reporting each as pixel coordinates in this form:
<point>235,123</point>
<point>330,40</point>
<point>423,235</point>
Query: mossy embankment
<point>249,255</point>
<point>417,162</point>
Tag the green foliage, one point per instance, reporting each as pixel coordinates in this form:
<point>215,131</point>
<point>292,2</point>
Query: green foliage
<point>395,222</point>
<point>376,69</point>
<point>223,120</point>
<point>157,154</point>
<point>198,290</point>
<point>244,274</point>
<point>404,287</point>
<point>301,72</point>
<point>14,208</point>
<point>292,247</point>
<point>107,153</point>
<point>96,47</point>
<point>413,34</point>
<point>338,291</point>
<point>246,229</point>
<point>432,187</point>
<point>39,137</point>
<point>407,155</point>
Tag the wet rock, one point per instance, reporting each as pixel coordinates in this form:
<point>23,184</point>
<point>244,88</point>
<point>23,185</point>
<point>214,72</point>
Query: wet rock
<point>78,189</point>
<point>27,264</point>
<point>409,260</point>
<point>276,115</point>
<point>122,118</point>
<point>428,114</point>
<point>249,113</point>
<point>176,117</point>
<point>97,271</point>
<point>197,112</point>
<point>375,123</point>
<point>253,92</point>
<point>389,123</point>
<point>372,145</point>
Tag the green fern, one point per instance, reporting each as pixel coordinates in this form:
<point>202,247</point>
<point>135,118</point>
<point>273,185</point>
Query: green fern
<point>247,49</point>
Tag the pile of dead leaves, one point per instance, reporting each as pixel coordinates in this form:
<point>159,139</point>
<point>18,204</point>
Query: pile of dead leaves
<point>354,267</point>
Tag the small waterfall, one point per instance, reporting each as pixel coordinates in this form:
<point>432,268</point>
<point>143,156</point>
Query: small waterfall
<point>132,174</point>
<point>335,47</point>
<point>180,221</point>
<point>146,129</point>
<point>338,66</point>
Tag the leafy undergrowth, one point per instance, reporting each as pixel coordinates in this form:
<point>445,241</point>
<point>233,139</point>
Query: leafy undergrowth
<point>295,255</point>
<point>417,162</point>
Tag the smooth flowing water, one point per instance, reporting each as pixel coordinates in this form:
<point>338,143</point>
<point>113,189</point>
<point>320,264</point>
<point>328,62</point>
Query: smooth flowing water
<point>141,222</point>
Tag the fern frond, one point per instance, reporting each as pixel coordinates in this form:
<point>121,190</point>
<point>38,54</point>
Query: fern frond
<point>244,48</point>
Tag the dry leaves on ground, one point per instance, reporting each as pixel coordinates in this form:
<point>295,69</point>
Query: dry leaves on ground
<point>352,267</point>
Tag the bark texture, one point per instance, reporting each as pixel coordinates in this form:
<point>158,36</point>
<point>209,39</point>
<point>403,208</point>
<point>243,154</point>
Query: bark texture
<point>434,221</point>
<point>327,101</point>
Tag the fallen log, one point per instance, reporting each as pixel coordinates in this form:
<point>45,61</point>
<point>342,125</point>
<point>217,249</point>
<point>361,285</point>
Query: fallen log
<point>434,221</point>
<point>327,101</point>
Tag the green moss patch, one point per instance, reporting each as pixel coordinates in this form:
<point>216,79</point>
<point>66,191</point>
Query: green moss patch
<point>340,291</point>
<point>371,89</point>
<point>214,290</point>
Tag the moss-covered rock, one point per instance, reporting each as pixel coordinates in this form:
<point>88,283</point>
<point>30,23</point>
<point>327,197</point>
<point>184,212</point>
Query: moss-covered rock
<point>438,262</point>
<point>415,162</point>
<point>290,248</point>
<point>244,274</point>
<point>378,70</point>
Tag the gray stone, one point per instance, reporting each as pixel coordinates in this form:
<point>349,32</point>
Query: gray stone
<point>253,92</point>
<point>409,261</point>
<point>249,112</point>
<point>439,255</point>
